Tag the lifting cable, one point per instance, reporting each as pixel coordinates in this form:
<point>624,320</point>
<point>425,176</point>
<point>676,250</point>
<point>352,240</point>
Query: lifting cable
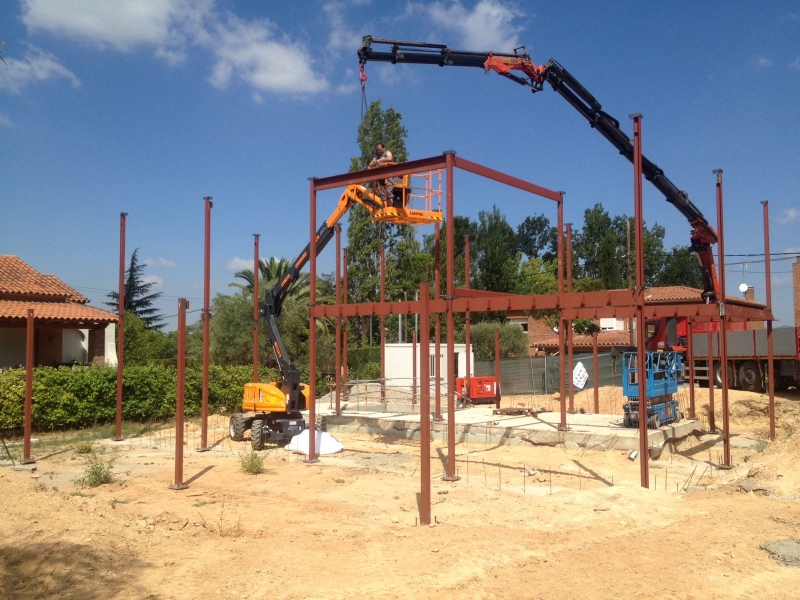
<point>362,77</point>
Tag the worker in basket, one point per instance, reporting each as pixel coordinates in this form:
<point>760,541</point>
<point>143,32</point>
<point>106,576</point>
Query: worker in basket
<point>384,157</point>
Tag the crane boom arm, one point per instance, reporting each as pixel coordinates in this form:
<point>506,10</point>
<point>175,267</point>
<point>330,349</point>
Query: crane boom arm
<point>271,307</point>
<point>533,76</point>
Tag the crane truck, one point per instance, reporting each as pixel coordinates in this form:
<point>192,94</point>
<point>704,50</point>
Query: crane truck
<point>519,68</point>
<point>272,411</point>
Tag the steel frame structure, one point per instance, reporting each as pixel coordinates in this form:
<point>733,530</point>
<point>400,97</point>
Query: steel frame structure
<point>570,305</point>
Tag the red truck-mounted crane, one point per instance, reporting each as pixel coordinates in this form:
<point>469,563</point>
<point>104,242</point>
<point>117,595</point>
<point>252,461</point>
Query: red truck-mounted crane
<point>519,67</point>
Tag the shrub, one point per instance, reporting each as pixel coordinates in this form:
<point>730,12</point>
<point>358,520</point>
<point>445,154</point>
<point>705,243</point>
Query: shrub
<point>252,463</point>
<point>84,448</point>
<point>97,471</point>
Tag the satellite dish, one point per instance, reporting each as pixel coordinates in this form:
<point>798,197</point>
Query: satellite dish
<point>743,288</point>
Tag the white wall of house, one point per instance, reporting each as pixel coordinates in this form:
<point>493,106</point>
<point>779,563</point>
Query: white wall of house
<point>12,347</point>
<point>399,363</point>
<point>612,324</point>
<point>75,345</point>
<point>111,345</point>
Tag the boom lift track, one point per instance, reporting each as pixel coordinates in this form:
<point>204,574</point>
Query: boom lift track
<point>533,76</point>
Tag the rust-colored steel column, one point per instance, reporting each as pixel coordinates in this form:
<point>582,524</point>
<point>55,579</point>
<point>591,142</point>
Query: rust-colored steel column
<point>723,333</point>
<point>338,376</point>
<point>467,321</point>
<point>30,357</point>
<point>413,368</point>
<point>770,349</point>
<point>437,284</point>
<point>206,326</point>
<point>497,368</point>
<point>569,332</point>
<point>312,333</point>
<point>451,325</point>
<point>690,360</point>
<point>345,325</point>
<point>712,424</point>
<point>561,341</point>
<point>179,484</point>
<point>425,410</point>
<point>596,365</point>
<point>256,298</point>
<point>383,325</point>
<point>644,454</point>
<point>120,325</point>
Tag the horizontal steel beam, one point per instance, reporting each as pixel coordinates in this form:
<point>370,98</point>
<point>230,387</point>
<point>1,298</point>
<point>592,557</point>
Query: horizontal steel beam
<point>398,170</point>
<point>521,184</point>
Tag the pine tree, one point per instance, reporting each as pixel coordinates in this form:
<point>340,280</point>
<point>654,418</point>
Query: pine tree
<point>137,298</point>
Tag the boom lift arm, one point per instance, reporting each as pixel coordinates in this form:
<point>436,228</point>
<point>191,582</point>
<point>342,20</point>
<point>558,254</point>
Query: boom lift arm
<point>271,307</point>
<point>533,76</point>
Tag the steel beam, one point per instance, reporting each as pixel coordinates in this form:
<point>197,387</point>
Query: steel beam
<point>770,349</point>
<point>120,326</point>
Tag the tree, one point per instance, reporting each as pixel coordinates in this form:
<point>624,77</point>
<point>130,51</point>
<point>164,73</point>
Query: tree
<point>142,345</point>
<point>513,340</point>
<point>496,256</point>
<point>137,298</point>
<point>536,238</point>
<point>366,236</point>
<point>270,273</point>
<point>681,267</point>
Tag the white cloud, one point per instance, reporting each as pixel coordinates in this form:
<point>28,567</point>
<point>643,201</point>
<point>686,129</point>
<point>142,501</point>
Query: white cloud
<point>239,264</point>
<point>123,24</point>
<point>155,279</point>
<point>5,121</point>
<point>490,25</point>
<point>795,249</point>
<point>254,53</point>
<point>341,37</point>
<point>796,64</point>
<point>762,62</point>
<point>159,262</point>
<point>789,215</point>
<point>36,65</point>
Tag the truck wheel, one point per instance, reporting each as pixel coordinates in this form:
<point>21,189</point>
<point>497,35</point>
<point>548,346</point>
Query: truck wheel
<point>678,416</point>
<point>750,378</point>
<point>237,427</point>
<point>654,422</point>
<point>718,375</point>
<point>255,435</point>
<point>626,421</point>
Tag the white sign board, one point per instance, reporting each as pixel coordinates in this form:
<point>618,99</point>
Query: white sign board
<point>579,376</point>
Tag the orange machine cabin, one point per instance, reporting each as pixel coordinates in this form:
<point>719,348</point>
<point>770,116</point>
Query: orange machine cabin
<point>267,397</point>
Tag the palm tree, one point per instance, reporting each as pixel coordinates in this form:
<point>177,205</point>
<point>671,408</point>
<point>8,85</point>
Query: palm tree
<point>273,271</point>
<point>270,273</point>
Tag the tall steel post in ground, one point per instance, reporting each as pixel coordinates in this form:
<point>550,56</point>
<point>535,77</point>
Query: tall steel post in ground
<point>256,298</point>
<point>425,409</point>
<point>312,333</point>
<point>383,325</point>
<point>467,320</point>
<point>712,423</point>
<point>206,325</point>
<point>596,373</point>
<point>562,426</point>
<point>770,349</point>
<point>451,326</point>
<point>437,285</point>
<point>345,371</point>
<point>690,360</point>
<point>723,332</point>
<point>498,398</point>
<point>120,325</point>
<point>338,359</point>
<point>30,357</point>
<point>569,333</point>
<point>644,454</point>
<point>413,368</point>
<point>179,484</point>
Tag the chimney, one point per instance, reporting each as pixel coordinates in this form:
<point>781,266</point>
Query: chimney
<point>750,294</point>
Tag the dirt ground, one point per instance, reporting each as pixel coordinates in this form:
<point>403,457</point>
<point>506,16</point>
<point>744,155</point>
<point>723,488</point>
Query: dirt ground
<point>522,522</point>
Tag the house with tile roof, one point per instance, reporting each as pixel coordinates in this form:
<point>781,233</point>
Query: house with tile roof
<point>67,330</point>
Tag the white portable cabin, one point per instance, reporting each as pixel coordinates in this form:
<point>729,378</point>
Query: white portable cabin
<point>400,370</point>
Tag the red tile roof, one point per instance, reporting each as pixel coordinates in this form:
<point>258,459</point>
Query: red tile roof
<point>672,293</point>
<point>19,280</point>
<point>70,312</point>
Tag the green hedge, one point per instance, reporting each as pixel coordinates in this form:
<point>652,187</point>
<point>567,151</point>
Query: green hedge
<point>80,397</point>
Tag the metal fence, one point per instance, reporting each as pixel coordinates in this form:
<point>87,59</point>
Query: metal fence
<point>539,375</point>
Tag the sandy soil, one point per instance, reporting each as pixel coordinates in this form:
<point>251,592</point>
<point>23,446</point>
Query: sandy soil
<point>523,522</point>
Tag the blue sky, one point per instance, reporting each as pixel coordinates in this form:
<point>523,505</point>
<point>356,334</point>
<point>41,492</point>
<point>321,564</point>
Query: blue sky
<point>147,106</point>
